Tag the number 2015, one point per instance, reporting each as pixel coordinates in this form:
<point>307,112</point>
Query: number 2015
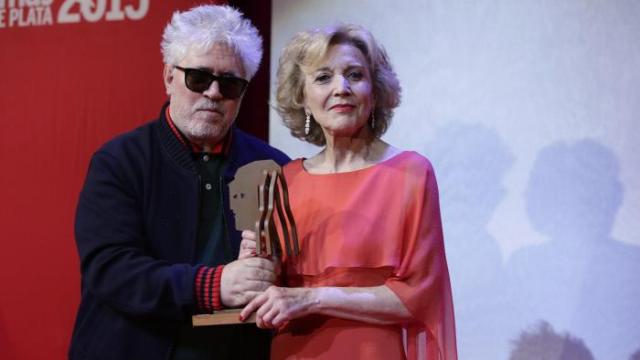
<point>95,10</point>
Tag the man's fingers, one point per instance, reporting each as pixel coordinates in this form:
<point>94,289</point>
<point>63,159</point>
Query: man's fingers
<point>261,275</point>
<point>253,285</point>
<point>250,274</point>
<point>260,263</point>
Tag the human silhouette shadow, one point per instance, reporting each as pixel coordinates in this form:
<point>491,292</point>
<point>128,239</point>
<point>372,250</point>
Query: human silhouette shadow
<point>470,161</point>
<point>581,280</point>
<point>543,343</point>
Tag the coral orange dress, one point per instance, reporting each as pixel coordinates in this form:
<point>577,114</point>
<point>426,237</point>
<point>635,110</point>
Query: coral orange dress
<point>375,226</point>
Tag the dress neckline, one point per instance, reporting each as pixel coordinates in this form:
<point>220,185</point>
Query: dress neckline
<point>357,171</point>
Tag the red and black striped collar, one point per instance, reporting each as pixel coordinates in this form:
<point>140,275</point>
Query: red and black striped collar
<point>222,147</point>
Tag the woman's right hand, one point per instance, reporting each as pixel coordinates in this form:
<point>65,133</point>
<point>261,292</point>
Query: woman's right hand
<point>247,245</point>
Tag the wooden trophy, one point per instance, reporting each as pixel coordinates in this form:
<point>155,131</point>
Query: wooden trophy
<point>258,189</point>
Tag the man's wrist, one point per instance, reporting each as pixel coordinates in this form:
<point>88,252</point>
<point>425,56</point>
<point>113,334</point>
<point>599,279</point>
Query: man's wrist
<point>207,289</point>
<point>217,294</point>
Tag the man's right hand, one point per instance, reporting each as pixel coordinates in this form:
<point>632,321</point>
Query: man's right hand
<point>244,279</point>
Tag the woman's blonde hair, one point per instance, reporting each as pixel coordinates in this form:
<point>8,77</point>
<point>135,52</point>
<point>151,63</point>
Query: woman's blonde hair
<point>307,49</point>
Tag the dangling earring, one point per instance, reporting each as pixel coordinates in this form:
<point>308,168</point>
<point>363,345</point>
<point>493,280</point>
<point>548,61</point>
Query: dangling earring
<point>307,123</point>
<point>373,120</point>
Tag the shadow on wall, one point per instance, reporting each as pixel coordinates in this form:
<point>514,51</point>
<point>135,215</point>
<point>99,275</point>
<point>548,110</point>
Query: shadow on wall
<point>543,343</point>
<point>580,280</point>
<point>470,162</point>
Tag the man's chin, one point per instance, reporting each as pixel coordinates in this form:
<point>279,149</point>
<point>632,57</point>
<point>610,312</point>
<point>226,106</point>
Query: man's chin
<point>207,116</point>
<point>207,132</point>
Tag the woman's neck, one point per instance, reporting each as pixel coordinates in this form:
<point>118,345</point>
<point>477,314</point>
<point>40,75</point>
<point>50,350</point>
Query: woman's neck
<point>344,154</point>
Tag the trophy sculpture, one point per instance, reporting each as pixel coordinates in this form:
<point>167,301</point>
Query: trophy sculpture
<point>258,189</point>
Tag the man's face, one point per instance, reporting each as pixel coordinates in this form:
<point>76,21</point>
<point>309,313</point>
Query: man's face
<point>203,117</point>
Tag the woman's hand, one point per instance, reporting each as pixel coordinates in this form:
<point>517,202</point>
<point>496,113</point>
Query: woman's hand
<point>247,245</point>
<point>277,305</point>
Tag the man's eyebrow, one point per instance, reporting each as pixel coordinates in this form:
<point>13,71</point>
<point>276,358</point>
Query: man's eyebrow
<point>210,70</point>
<point>229,73</point>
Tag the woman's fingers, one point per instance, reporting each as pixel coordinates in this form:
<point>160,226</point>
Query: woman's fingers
<point>252,306</point>
<point>247,246</point>
<point>248,234</point>
<point>266,320</point>
<point>278,320</point>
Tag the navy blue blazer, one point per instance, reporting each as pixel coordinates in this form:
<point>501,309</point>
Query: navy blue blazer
<point>136,227</point>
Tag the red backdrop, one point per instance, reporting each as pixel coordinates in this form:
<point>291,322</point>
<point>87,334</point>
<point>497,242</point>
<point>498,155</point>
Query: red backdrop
<point>73,76</point>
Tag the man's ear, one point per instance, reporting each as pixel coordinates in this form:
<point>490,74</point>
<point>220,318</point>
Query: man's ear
<point>167,76</point>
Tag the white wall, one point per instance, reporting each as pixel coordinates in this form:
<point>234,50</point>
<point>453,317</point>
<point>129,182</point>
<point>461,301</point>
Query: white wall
<point>530,112</point>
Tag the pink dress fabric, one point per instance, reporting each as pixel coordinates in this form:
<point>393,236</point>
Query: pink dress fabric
<point>375,226</point>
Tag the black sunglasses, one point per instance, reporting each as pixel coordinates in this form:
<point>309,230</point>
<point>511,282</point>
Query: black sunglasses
<point>199,81</point>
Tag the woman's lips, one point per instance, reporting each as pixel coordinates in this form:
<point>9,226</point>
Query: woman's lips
<point>342,107</point>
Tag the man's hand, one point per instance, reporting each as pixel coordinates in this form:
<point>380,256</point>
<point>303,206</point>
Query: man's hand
<point>242,280</point>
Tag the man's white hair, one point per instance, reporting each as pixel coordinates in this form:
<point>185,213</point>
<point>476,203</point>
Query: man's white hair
<point>203,26</point>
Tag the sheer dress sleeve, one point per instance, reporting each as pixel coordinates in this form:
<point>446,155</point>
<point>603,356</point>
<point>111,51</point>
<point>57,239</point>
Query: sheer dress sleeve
<point>421,280</point>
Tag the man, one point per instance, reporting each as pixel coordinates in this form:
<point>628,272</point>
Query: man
<point>153,225</point>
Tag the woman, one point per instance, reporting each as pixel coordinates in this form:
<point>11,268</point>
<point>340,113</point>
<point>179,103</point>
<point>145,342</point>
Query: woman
<point>372,257</point>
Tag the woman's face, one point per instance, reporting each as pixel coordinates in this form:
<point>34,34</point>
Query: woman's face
<point>338,92</point>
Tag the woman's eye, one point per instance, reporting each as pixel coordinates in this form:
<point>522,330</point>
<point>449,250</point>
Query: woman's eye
<point>323,78</point>
<point>356,75</point>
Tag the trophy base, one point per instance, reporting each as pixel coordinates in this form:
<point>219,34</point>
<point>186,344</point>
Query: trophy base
<point>222,317</point>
